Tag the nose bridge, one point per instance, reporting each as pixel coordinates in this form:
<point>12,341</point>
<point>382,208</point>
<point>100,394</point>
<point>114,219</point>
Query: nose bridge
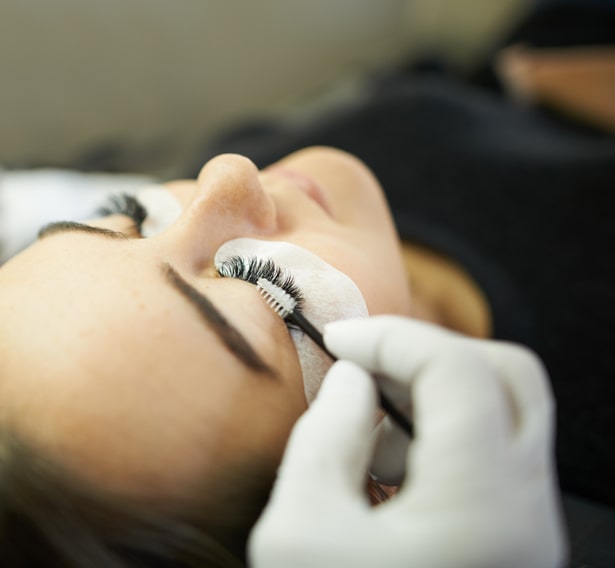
<point>229,202</point>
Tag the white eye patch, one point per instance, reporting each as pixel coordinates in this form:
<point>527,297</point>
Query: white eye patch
<point>162,208</point>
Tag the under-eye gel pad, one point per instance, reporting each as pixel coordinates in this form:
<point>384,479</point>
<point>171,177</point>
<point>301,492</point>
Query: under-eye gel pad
<point>162,208</point>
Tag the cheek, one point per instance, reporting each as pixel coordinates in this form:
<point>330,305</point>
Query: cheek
<point>272,340</point>
<point>374,263</point>
<point>263,420</point>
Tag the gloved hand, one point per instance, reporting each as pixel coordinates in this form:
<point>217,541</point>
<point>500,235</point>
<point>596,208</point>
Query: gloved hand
<point>480,489</point>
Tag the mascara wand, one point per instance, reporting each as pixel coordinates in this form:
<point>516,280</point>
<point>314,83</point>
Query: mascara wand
<point>284,305</point>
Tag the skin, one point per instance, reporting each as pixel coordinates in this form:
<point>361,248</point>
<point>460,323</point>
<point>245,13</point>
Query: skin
<point>114,374</point>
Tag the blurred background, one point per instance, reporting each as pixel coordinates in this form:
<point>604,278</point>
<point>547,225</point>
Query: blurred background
<point>140,85</point>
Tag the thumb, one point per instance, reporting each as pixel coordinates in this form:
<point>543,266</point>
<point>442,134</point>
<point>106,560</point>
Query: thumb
<point>330,447</point>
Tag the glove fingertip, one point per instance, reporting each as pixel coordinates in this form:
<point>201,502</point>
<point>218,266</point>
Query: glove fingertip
<point>340,334</point>
<point>362,340</point>
<point>330,444</point>
<point>346,377</point>
<point>343,409</point>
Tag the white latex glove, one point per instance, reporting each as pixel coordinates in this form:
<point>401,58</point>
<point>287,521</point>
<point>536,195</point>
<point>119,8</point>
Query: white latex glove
<point>480,489</point>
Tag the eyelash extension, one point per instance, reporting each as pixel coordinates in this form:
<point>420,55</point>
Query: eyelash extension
<point>251,269</point>
<point>124,204</point>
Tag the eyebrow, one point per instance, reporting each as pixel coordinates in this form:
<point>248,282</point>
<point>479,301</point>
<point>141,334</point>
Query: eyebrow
<point>229,335</point>
<point>235,342</point>
<point>74,227</point>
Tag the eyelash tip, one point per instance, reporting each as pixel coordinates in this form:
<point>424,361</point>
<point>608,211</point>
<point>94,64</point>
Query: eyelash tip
<point>252,268</point>
<point>124,204</point>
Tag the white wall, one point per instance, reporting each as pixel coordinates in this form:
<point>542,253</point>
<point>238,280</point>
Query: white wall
<point>159,74</point>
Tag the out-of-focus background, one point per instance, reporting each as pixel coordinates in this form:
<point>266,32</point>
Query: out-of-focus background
<point>145,82</point>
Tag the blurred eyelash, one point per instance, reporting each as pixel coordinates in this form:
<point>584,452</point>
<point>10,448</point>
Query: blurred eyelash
<point>124,204</point>
<point>251,269</point>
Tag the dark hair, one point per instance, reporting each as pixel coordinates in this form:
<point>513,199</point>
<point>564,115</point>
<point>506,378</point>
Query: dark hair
<point>48,517</point>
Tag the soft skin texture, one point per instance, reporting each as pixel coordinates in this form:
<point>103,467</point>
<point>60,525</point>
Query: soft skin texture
<point>113,373</point>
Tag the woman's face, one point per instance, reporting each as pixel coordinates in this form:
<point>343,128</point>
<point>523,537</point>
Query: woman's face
<point>132,362</point>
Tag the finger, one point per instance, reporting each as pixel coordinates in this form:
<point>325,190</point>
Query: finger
<point>461,412</point>
<point>462,421</point>
<point>523,373</point>
<point>392,345</point>
<point>330,446</point>
<point>457,378</point>
<point>530,397</point>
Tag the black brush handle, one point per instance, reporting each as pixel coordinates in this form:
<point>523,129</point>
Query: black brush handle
<point>298,319</point>
<point>385,402</point>
<point>396,415</point>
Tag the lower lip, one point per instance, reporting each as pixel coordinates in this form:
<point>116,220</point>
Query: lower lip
<point>305,184</point>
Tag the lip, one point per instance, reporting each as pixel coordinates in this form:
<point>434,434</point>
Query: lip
<point>305,184</point>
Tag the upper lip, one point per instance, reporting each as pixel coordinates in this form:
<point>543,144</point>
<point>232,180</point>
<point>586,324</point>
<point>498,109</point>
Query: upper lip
<point>303,183</point>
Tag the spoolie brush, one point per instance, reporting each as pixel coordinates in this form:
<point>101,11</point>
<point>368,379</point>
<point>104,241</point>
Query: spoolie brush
<point>284,305</point>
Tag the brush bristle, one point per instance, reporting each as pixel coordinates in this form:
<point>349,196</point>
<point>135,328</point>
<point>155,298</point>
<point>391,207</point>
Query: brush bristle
<point>281,302</point>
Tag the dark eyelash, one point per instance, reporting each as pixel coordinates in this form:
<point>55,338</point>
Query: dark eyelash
<point>124,204</point>
<point>251,269</point>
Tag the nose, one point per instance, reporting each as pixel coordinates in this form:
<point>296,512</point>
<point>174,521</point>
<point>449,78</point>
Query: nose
<point>229,202</point>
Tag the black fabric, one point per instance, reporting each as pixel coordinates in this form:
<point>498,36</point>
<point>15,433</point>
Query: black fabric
<point>527,206</point>
<point>568,22</point>
<point>591,528</point>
